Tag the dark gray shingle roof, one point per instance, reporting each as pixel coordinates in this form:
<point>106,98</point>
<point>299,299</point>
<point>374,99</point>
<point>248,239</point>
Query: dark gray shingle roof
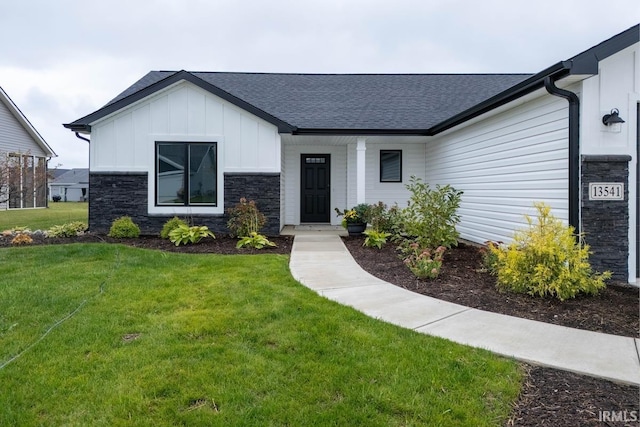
<point>73,176</point>
<point>352,101</point>
<point>389,103</point>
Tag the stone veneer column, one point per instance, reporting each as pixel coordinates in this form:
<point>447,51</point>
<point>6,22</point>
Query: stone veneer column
<point>605,223</point>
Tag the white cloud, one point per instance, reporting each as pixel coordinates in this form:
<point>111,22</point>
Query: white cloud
<point>67,58</point>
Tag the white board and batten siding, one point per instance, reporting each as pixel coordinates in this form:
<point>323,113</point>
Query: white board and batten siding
<point>503,164</point>
<point>617,85</point>
<point>125,141</point>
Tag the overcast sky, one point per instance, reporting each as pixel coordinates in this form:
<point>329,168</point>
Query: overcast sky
<point>63,59</point>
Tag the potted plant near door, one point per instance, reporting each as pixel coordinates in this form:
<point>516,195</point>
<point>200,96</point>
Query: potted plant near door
<point>354,220</point>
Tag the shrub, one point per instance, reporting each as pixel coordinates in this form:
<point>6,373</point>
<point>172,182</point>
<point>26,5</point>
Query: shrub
<point>425,263</point>
<point>69,229</point>
<point>56,198</point>
<point>490,256</point>
<point>124,227</point>
<point>184,234</point>
<point>22,239</point>
<point>393,222</point>
<point>431,216</point>
<point>546,259</point>
<point>383,219</point>
<point>255,240</point>
<point>245,218</point>
<point>375,239</point>
<point>171,225</point>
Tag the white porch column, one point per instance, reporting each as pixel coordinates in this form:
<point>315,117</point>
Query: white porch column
<point>361,149</point>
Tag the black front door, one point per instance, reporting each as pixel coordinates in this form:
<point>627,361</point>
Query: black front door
<point>315,181</point>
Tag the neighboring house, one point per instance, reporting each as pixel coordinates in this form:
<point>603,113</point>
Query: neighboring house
<point>193,143</point>
<point>23,159</point>
<point>71,186</point>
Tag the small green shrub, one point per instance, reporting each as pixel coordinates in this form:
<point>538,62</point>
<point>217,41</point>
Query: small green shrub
<point>184,234</point>
<point>546,259</point>
<point>255,240</point>
<point>383,219</point>
<point>69,229</point>
<point>245,218</point>
<point>375,239</point>
<point>124,228</point>
<point>393,223</point>
<point>431,216</point>
<point>490,256</point>
<point>171,225</point>
<point>425,263</point>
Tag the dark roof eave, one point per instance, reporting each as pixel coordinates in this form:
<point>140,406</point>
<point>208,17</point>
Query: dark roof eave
<point>77,128</point>
<point>525,87</point>
<point>362,132</point>
<point>585,63</point>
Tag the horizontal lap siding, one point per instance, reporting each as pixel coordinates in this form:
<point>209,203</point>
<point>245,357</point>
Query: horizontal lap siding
<point>504,164</point>
<point>13,136</point>
<point>390,193</point>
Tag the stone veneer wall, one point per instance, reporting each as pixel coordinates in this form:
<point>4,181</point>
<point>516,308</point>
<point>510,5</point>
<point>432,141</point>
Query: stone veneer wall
<point>605,223</point>
<point>115,194</point>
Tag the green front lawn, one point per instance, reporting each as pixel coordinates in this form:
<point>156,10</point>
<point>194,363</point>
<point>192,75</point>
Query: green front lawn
<point>44,218</point>
<point>160,339</point>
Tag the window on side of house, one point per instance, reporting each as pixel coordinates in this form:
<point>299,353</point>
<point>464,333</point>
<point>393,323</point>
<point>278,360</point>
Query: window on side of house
<point>390,165</point>
<point>186,174</point>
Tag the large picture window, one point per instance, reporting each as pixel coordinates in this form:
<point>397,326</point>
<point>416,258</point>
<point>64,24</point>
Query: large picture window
<point>186,174</point>
<point>390,165</point>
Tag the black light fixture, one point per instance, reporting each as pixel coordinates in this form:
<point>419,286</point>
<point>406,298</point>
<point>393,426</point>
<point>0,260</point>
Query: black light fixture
<point>612,118</point>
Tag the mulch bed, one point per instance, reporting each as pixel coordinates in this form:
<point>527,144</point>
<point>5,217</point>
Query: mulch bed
<point>464,281</point>
<point>549,396</point>
<point>220,245</point>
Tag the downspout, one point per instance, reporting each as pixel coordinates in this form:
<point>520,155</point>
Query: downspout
<point>82,137</point>
<point>574,149</point>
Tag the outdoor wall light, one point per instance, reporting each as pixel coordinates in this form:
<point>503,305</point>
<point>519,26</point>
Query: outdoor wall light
<point>613,118</point>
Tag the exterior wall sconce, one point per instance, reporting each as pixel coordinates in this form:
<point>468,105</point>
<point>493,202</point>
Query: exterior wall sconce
<point>613,120</point>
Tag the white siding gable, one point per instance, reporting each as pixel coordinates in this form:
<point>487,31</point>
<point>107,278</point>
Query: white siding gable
<point>125,141</point>
<point>13,136</point>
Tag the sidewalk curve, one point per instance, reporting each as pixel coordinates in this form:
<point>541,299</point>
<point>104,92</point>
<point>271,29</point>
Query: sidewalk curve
<point>323,263</point>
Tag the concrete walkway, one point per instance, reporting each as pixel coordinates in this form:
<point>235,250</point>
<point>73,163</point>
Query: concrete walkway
<point>320,261</point>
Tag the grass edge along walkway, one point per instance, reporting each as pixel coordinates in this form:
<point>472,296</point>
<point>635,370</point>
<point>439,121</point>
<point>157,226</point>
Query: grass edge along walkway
<point>168,339</point>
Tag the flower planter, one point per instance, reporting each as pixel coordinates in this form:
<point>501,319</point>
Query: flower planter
<point>356,228</point>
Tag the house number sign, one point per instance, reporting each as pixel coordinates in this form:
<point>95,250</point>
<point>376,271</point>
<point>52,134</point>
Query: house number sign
<point>606,191</point>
